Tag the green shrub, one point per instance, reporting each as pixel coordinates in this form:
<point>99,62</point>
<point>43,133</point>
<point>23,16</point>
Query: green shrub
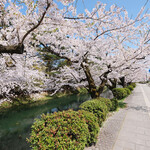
<point>93,126</point>
<point>119,93</point>
<point>133,84</point>
<point>128,91</point>
<point>114,104</point>
<point>65,130</point>
<point>98,108</point>
<point>106,101</point>
<point>82,90</point>
<point>130,87</point>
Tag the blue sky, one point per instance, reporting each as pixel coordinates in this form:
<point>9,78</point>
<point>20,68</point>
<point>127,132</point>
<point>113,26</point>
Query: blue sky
<point>132,6</point>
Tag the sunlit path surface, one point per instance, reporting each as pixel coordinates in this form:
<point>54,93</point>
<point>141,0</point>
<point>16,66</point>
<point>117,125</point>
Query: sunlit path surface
<point>128,128</point>
<point>135,130</point>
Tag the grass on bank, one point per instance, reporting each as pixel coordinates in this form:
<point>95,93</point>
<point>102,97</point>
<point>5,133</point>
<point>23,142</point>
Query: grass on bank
<point>121,104</point>
<point>25,103</point>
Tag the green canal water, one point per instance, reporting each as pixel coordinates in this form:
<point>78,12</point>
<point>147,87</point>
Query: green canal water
<point>15,127</point>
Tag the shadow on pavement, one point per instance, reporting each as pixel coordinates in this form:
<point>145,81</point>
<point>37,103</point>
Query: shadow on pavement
<point>139,108</point>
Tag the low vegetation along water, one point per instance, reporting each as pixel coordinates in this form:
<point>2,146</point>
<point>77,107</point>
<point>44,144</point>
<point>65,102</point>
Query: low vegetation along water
<point>15,127</point>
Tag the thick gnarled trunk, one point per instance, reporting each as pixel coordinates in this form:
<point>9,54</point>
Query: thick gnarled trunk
<point>113,84</point>
<point>122,81</point>
<point>92,87</point>
<point>93,90</point>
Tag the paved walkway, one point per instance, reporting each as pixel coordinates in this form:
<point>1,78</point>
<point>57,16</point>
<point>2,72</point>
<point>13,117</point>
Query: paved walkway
<point>128,129</point>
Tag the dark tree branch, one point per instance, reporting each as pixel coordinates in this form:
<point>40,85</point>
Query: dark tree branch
<point>19,49</point>
<point>15,49</point>
<point>32,29</point>
<point>114,29</point>
<point>49,49</point>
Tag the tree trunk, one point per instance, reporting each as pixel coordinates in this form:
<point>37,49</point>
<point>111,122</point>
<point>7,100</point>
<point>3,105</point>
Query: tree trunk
<point>101,86</point>
<point>92,87</point>
<point>122,81</point>
<point>94,92</point>
<point>114,84</point>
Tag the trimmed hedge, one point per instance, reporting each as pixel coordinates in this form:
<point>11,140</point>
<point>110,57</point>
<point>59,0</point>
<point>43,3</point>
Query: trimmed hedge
<point>93,126</point>
<point>71,130</point>
<point>128,91</point>
<point>114,104</point>
<point>130,87</point>
<point>98,108</point>
<point>119,93</point>
<point>65,130</point>
<point>106,101</point>
<point>133,84</point>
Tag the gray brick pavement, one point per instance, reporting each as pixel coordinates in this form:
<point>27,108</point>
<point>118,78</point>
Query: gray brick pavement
<point>109,131</point>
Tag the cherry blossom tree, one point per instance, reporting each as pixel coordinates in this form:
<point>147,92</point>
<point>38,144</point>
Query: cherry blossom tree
<point>96,45</point>
<point>99,47</point>
<point>19,72</point>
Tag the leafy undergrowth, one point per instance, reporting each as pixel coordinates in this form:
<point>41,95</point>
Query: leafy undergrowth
<point>122,104</point>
